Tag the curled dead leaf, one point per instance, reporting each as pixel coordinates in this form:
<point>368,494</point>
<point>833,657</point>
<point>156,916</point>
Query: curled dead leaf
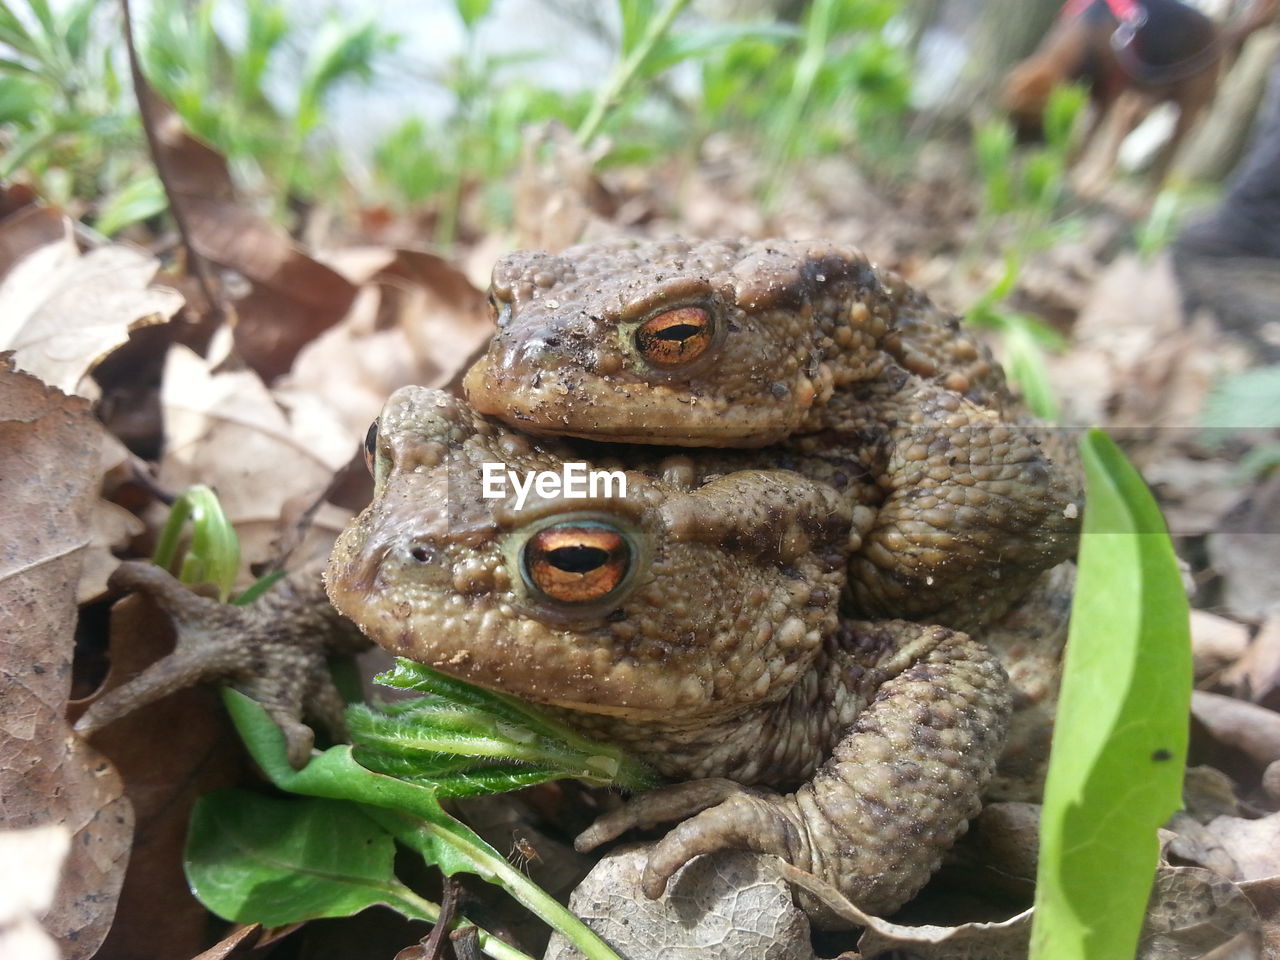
<point>49,477</point>
<point>228,431</point>
<point>61,312</point>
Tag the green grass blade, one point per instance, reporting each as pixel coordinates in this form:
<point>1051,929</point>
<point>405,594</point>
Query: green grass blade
<point>1120,739</point>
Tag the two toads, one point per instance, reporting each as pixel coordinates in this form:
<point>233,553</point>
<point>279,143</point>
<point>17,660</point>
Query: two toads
<point>828,481</point>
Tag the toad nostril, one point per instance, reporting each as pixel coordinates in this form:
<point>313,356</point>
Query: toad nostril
<point>421,554</point>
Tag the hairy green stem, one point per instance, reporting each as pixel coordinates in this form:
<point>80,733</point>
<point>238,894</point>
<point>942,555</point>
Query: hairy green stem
<point>624,72</point>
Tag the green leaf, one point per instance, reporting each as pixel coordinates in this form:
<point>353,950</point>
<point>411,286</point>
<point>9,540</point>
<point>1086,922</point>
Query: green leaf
<point>1060,113</point>
<point>20,99</point>
<point>409,811</point>
<point>461,719</point>
<point>1120,738</point>
<point>214,553</point>
<point>1024,358</point>
<point>136,201</point>
<point>631,68</point>
<point>258,588</point>
<point>704,41</point>
<point>254,859</point>
<point>472,11</point>
<point>76,20</point>
<point>14,33</point>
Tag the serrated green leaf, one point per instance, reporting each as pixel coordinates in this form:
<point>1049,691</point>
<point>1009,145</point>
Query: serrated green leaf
<point>1120,738</point>
<point>530,735</point>
<point>410,812</point>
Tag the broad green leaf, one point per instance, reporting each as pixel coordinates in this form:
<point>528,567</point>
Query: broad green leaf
<point>256,859</point>
<point>1120,738</point>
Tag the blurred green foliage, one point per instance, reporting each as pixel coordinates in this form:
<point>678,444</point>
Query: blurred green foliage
<point>66,120</point>
<point>1028,183</point>
<point>255,78</point>
<point>1024,341</point>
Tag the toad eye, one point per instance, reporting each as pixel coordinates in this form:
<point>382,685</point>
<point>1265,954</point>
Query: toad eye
<point>370,445</point>
<point>675,337</point>
<point>576,562</point>
<point>499,310</point>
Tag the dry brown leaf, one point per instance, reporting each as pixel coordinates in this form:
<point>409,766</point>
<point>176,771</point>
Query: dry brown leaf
<point>1246,726</point>
<point>61,312</point>
<point>1257,674</point>
<point>113,527</point>
<point>1005,940</point>
<point>31,229</point>
<point>1134,362</point>
<point>240,942</point>
<point>14,197</point>
<point>1245,551</point>
<point>49,477</point>
<point>1194,843</point>
<point>1264,894</point>
<point>557,193</point>
<point>732,904</point>
<point>292,296</point>
<point>1253,844</point>
<point>1006,838</point>
<point>168,753</point>
<point>418,320</point>
<point>228,431</point>
<point>1192,911</point>
<point>1216,642</point>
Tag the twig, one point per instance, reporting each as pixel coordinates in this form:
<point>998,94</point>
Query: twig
<point>448,907</point>
<point>196,263</point>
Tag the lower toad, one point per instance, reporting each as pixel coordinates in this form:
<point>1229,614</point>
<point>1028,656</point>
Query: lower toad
<point>696,621</point>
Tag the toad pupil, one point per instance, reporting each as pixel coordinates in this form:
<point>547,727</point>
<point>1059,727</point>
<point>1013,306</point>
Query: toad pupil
<point>579,559</point>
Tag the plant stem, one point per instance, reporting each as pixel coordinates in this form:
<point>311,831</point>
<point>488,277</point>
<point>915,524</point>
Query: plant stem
<point>624,72</point>
<point>412,905</point>
<point>499,872</point>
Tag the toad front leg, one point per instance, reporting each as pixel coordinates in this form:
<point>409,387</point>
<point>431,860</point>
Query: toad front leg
<point>974,508</point>
<point>917,715</point>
